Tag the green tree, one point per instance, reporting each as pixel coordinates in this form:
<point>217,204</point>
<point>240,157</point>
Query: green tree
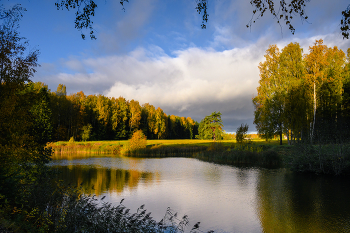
<point>191,126</point>
<point>85,135</point>
<point>292,70</point>
<point>269,103</point>
<point>121,117</point>
<point>301,96</point>
<point>160,123</point>
<point>24,122</point>
<point>241,133</point>
<point>211,127</point>
<point>330,97</point>
<point>316,64</point>
<point>61,90</point>
<point>135,112</point>
<point>149,120</point>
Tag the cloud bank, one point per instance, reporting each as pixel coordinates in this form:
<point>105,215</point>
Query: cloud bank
<point>193,82</point>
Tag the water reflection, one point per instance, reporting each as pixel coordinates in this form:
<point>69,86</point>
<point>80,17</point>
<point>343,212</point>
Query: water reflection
<point>98,180</point>
<point>222,198</point>
<point>289,202</point>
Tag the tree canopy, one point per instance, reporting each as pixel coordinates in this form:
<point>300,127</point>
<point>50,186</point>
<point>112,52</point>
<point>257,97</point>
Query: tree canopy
<point>241,133</point>
<point>211,127</point>
<point>303,96</point>
<point>283,11</point>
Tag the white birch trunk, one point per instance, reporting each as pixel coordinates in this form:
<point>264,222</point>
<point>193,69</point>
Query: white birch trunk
<point>313,122</point>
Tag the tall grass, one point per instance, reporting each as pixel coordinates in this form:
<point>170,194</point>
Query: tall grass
<point>331,159</point>
<point>241,155</point>
<point>86,147</point>
<point>61,208</point>
<point>88,214</point>
<point>257,153</point>
<point>161,151</point>
<point>114,147</point>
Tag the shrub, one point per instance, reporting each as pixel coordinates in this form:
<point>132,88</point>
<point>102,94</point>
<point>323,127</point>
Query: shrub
<point>71,140</point>
<point>136,143</point>
<point>241,133</point>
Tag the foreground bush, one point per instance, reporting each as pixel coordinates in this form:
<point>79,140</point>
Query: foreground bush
<point>66,209</point>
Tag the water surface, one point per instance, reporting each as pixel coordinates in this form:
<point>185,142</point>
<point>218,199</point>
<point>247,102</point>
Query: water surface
<point>222,198</point>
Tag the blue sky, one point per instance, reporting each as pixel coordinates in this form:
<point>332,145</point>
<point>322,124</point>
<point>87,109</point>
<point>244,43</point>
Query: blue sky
<point>156,51</point>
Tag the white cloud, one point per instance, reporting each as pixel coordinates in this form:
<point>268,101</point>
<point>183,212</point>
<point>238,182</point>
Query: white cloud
<point>193,77</point>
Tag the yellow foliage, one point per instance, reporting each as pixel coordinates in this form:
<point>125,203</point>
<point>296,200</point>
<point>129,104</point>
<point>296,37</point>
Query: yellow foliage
<point>137,141</point>
<point>71,140</point>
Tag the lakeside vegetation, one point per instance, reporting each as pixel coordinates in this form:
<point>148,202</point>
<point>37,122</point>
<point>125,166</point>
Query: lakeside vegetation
<point>114,147</point>
<point>254,153</point>
<point>321,159</point>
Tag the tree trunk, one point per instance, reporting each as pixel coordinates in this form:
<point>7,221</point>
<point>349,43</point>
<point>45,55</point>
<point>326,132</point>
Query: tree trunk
<point>313,122</point>
<point>280,134</point>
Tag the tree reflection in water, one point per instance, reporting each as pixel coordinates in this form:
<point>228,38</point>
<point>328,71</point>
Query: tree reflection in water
<point>302,203</point>
<point>98,180</point>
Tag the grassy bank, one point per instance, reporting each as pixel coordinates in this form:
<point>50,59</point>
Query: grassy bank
<point>163,148</point>
<point>257,153</point>
<point>113,147</point>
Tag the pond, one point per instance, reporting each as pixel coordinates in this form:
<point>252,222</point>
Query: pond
<point>223,198</point>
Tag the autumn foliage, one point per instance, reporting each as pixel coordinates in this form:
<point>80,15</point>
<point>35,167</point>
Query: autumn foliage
<point>96,117</point>
<point>138,141</point>
<point>304,96</point>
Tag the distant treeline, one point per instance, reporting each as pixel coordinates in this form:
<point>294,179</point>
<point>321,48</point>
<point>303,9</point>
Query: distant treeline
<point>96,117</point>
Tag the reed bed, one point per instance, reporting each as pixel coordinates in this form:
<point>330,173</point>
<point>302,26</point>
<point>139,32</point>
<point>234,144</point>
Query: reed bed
<point>228,152</point>
<point>85,148</point>
<point>332,159</point>
<point>162,151</point>
<point>242,155</point>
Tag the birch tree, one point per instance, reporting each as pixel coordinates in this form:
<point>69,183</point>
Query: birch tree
<point>292,73</point>
<point>269,103</point>
<point>316,64</point>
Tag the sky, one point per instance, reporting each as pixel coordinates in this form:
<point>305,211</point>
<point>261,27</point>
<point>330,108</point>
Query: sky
<point>156,52</point>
